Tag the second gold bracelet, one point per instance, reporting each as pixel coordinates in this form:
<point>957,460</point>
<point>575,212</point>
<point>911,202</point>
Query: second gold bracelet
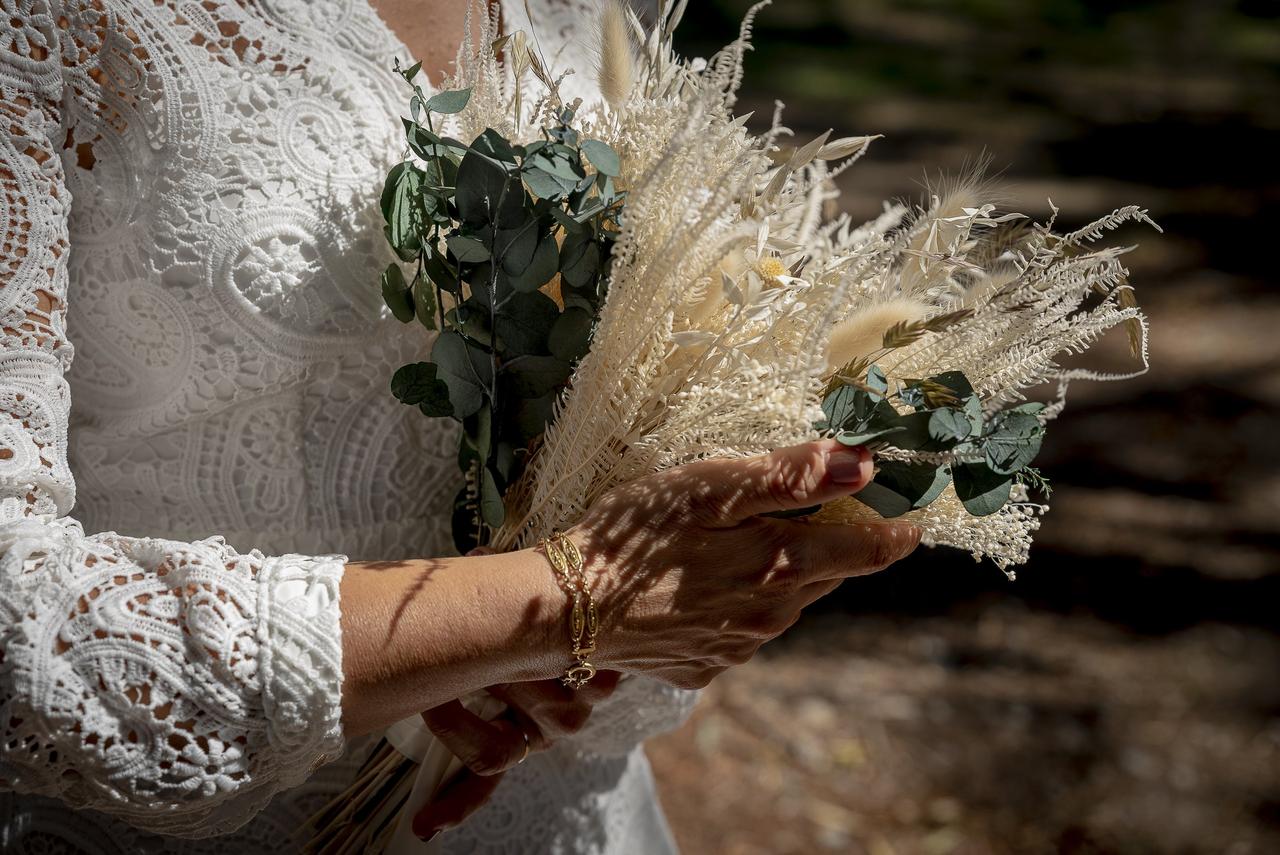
<point>584,620</point>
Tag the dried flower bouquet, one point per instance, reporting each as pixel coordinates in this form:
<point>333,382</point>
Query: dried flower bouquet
<point>625,286</point>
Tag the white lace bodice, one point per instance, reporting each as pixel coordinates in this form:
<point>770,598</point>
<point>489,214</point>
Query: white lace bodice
<point>190,202</point>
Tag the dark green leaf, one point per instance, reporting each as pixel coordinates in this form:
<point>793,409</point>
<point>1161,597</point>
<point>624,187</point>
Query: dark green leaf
<point>515,246</point>
<point>472,318</point>
<point>541,268</point>
<point>417,384</point>
<point>900,487</point>
<point>491,508</point>
<point>524,323</point>
<point>424,301</point>
<point>411,72</point>
<point>915,435</point>
<point>863,437</point>
<point>949,426</point>
<point>570,337</point>
<point>982,490</point>
<point>466,369</point>
<point>602,157</point>
<point>439,270</point>
<point>561,162</point>
<point>956,382</point>
<point>465,523</point>
<point>396,294</point>
<point>581,263</point>
<point>487,194</point>
<point>468,249</point>
<point>449,101</point>
<point>429,146</point>
<point>973,412</point>
<point>535,376</point>
<point>478,430</point>
<point>532,415</point>
<point>1013,442</point>
<point>841,407</point>
<point>546,186</point>
<point>400,207</point>
<point>491,144</point>
<point>876,381</point>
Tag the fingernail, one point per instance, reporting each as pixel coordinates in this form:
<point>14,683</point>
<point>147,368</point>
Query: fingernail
<point>844,464</point>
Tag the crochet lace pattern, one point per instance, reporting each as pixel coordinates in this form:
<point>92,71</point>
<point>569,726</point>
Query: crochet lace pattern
<point>190,197</point>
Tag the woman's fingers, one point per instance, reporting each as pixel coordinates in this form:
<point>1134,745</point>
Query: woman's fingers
<point>784,480</point>
<point>456,801</point>
<point>485,747</point>
<point>839,550</point>
<point>557,711</point>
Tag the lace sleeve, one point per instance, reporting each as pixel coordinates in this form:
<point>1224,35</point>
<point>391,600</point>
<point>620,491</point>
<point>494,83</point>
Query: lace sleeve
<point>177,685</point>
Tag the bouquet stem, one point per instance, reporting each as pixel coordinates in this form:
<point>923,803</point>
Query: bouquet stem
<point>403,773</point>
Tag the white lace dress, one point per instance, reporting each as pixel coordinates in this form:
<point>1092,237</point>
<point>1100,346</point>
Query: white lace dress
<point>189,198</point>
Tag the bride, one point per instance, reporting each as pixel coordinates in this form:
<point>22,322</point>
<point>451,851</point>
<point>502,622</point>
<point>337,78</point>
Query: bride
<point>252,582</point>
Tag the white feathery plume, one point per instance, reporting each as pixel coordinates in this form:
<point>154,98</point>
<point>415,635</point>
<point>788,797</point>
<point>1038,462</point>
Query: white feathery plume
<point>616,65</point>
<point>734,295</point>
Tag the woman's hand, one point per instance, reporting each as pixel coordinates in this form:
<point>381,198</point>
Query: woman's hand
<point>537,714</point>
<point>690,578</point>
<point>688,575</point>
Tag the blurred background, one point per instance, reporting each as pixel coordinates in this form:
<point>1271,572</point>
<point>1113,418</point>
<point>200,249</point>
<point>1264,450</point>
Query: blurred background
<point>1123,695</point>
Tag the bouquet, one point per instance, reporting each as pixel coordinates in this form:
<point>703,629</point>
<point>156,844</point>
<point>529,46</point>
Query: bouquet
<point>626,286</point>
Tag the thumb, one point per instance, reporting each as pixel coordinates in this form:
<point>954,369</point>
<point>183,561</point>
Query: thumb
<point>788,479</point>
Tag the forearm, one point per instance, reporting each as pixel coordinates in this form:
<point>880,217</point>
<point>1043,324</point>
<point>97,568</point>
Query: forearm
<point>421,632</point>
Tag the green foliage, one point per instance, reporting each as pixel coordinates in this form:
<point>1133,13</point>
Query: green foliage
<point>940,414</point>
<point>488,225</point>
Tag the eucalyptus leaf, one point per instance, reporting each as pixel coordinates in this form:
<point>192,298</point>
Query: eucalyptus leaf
<point>416,384</point>
<point>901,487</point>
<point>876,380</point>
<point>541,268</point>
<point>982,490</point>
<point>465,523</point>
<point>492,145</point>
<point>515,247</point>
<point>1013,442</point>
<point>841,407</point>
<point>949,426</point>
<point>535,376</point>
<point>582,266</point>
<point>602,157</point>
<point>400,206</point>
<point>449,101</point>
<point>532,415</point>
<point>478,431</point>
<point>524,322</point>
<point>396,294</point>
<point>846,437</point>
<point>491,507</point>
<point>424,301</point>
<point>545,185</point>
<point>468,249</point>
<point>465,369</point>
<point>570,337</point>
<point>486,194</point>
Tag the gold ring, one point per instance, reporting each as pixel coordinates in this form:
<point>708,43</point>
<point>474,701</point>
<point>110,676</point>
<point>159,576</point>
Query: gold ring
<point>525,755</point>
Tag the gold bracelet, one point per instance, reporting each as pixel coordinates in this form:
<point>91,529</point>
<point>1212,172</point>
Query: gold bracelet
<point>584,620</point>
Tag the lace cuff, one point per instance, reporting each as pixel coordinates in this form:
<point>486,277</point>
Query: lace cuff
<point>300,659</point>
